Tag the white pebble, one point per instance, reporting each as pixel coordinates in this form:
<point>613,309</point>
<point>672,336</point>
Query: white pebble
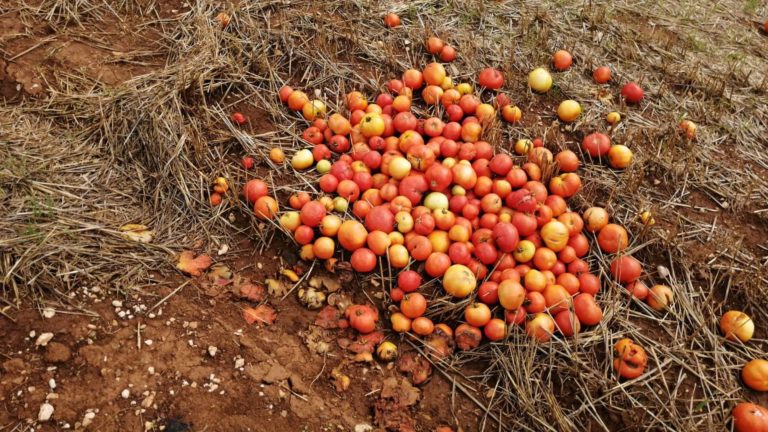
<point>212,350</point>
<point>88,418</point>
<point>239,362</point>
<point>151,370</point>
<point>43,339</point>
<point>663,272</point>
<point>52,383</point>
<point>32,334</point>
<point>148,342</point>
<point>117,303</point>
<point>45,413</point>
<point>125,394</point>
<point>49,312</point>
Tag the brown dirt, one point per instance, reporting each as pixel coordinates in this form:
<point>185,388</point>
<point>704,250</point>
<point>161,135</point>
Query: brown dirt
<point>163,359</point>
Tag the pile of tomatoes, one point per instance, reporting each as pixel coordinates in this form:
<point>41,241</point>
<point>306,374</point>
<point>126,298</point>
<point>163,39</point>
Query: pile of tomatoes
<point>430,199</point>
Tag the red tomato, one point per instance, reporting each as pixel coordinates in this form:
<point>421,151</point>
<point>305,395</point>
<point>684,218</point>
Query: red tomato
<point>363,260</point>
<point>491,78</point>
<point>409,280</point>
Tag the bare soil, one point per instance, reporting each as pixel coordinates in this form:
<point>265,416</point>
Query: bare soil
<point>163,362</point>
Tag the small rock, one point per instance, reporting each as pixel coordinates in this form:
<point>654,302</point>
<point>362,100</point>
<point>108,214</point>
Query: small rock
<point>57,353</point>
<point>148,401</point>
<point>148,342</point>
<point>151,370</point>
<point>276,373</point>
<point>52,383</point>
<point>15,365</point>
<point>363,427</point>
<point>45,413</point>
<point>663,271</point>
<point>49,312</point>
<point>43,339</point>
<point>239,362</point>
<point>212,350</point>
<point>257,372</point>
<point>88,418</point>
<point>117,303</point>
<point>297,384</point>
<point>125,394</point>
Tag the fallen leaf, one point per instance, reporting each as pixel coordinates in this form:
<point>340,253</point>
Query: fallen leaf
<point>252,292</point>
<point>605,96</point>
<point>341,380</point>
<point>276,288</point>
<point>261,314</point>
<point>311,298</point>
<point>290,274</point>
<point>330,283</point>
<point>192,265</point>
<point>340,300</point>
<point>137,233</point>
<point>363,357</point>
<point>220,275</point>
<point>314,339</point>
<point>328,318</point>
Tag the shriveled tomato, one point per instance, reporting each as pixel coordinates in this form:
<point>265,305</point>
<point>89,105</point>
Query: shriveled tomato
<point>467,337</point>
<point>630,359</point>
